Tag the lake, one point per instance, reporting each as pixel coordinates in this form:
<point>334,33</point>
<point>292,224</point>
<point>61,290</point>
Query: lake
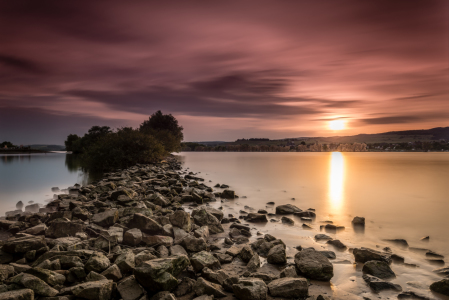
<point>401,195</point>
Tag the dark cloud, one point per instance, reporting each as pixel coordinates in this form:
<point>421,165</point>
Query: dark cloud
<point>391,120</point>
<point>20,64</point>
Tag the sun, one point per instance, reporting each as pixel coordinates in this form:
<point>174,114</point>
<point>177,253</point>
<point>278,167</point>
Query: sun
<point>337,124</point>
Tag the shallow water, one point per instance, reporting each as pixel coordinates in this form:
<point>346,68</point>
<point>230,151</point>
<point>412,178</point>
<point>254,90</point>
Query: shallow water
<point>401,195</point>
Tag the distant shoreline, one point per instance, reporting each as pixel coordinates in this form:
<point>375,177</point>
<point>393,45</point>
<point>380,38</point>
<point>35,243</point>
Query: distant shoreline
<point>29,151</point>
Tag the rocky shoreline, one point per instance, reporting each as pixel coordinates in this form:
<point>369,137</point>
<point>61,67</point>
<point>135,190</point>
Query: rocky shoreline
<point>148,232</point>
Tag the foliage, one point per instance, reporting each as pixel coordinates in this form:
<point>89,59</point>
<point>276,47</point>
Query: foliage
<point>7,144</point>
<point>189,146</point>
<point>166,129</point>
<point>72,139</point>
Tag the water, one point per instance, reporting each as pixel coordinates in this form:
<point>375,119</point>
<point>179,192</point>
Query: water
<point>401,195</point>
<point>31,177</point>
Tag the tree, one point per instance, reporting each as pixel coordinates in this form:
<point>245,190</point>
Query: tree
<point>7,144</point>
<point>166,129</point>
<point>71,140</point>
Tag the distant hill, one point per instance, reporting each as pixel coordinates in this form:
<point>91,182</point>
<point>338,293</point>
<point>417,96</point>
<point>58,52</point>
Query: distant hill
<point>47,147</point>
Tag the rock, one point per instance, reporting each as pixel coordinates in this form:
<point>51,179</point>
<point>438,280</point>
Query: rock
<point>76,274</point>
<point>6,271</point>
<point>106,218</point>
<point>425,239</point>
<point>305,215</point>
<point>185,287</point>
<point>112,273</point>
<point>360,221</point>
<point>224,258</point>
<point>267,277</point>
<point>442,271</point>
<point>289,288</point>
<point>254,263</point>
<point>5,257</point>
<point>163,296</point>
<point>215,212</point>
<point>160,274</point>
<point>287,220</point>
<point>412,295</point>
<point>362,255</point>
<point>33,208</point>
<point>92,290</point>
<point>215,277</point>
<point>337,244</point>
<point>328,254</point>
<point>203,218</point>
<point>314,265</point>
<point>256,218</point>
<point>204,287</point>
<point>181,219</point>
<point>378,269</point>
<point>204,297</point>
<point>287,209</point>
<point>177,250</point>
<point>250,289</point>
<point>277,255</point>
<point>37,230</point>
<point>441,286</point>
<point>246,253</point>
<point>157,240</point>
<point>398,242</point>
<point>97,263</point>
<point>60,228</point>
<point>228,194</point>
<point>289,271</point>
<point>24,244</point>
<point>49,277</point>
<point>143,256</point>
<point>378,284</point>
<point>145,224</point>
<point>23,294</point>
<point>132,237</point>
<point>130,289</point>
<point>204,259</point>
<point>125,261</point>
<point>202,232</point>
<point>194,244</point>
<point>37,285</point>
<point>322,237</point>
<point>430,253</point>
<point>94,276</point>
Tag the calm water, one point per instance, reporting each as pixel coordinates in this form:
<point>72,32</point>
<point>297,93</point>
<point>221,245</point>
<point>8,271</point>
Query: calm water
<point>401,195</point>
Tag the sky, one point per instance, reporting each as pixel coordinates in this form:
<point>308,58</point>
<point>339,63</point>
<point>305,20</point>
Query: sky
<point>225,69</point>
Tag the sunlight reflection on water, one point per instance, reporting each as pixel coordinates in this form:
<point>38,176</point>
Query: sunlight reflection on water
<point>336,180</point>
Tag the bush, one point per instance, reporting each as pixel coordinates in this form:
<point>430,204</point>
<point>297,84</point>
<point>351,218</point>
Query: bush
<point>122,149</point>
<point>166,129</point>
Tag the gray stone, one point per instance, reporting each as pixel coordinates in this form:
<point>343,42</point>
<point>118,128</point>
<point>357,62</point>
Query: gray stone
<point>194,244</point>
<point>157,240</point>
<point>5,272</point>
<point>254,263</point>
<point>143,256</point>
<point>289,271</point>
<point>203,218</point>
<point>49,277</point>
<point>60,228</point>
<point>37,285</point>
<point>92,290</point>
<point>256,218</point>
<point>94,276</point>
<point>106,218</point>
<point>289,288</point>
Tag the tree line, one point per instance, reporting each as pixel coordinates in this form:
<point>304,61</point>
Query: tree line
<point>105,149</point>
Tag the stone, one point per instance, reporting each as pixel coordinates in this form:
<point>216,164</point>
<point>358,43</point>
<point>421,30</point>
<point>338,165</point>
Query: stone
<point>377,284</point>
<point>215,212</point>
<point>184,287</point>
<point>442,271</point>
<point>441,286</point>
<point>76,274</point>
<point>125,261</point>
<point>337,244</point>
<point>50,277</point>
<point>94,276</point>
<point>130,289</point>
<point>181,219</point>
<point>37,230</point>
<point>106,218</point>
<point>204,287</point>
<point>289,288</point>
<point>362,255</point>
<point>203,218</point>
<point>24,244</point>
<point>6,271</point>
<point>287,209</point>
<point>314,265</point>
<point>60,228</point>
<point>277,255</point>
<point>160,274</point>
<point>378,269</point>
<point>37,285</point>
<point>254,263</point>
<point>164,295</point>
<point>68,262</point>
<point>246,253</point>
<point>143,256</point>
<point>23,294</point>
<point>256,218</point>
<point>98,262</point>
<point>204,259</point>
<point>358,221</point>
<point>5,257</point>
<point>224,258</point>
<point>156,240</point>
<point>250,289</point>
<point>398,242</point>
<point>92,290</point>
<point>202,232</point>
<point>228,194</point>
<point>289,271</point>
<point>132,237</point>
<point>18,268</point>
<point>193,244</point>
<point>287,220</point>
<point>112,273</point>
<point>328,254</point>
<point>145,224</point>
<point>178,250</point>
<point>215,277</point>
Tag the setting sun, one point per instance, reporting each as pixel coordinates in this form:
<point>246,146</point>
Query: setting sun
<point>337,124</point>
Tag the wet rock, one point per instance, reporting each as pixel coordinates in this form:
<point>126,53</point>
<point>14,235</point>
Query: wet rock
<point>23,245</point>
<point>277,255</point>
<point>37,230</point>
<point>6,271</point>
<point>93,290</point>
<point>23,294</point>
<point>194,244</point>
<point>441,286</point>
<point>204,287</point>
<point>425,239</point>
<point>97,263</point>
<point>50,277</point>
<point>360,221</point>
<point>94,276</point>
<point>328,254</point>
<point>378,284</point>
<point>181,219</point>
<point>378,269</point>
<point>289,288</point>
<point>289,271</point>
<point>287,209</point>
<point>224,258</point>
<point>143,256</point>
<point>246,253</point>
<point>145,224</point>
<point>256,218</point>
<point>130,289</point>
<point>228,194</point>
<point>254,263</point>
<point>177,250</point>
<point>215,212</point>
<point>215,277</point>
<point>314,265</point>
<point>412,295</point>
<point>204,259</point>
<point>398,242</point>
<point>322,237</point>
<point>337,244</point>
<point>287,220</point>
<point>305,214</point>
<point>160,274</point>
<point>362,255</point>
<point>202,232</point>
<point>250,289</point>
<point>434,261</point>
<point>132,237</point>
<point>397,259</point>
<point>202,218</point>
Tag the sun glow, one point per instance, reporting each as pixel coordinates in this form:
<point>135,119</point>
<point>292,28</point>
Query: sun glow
<point>337,124</point>
<point>336,180</point>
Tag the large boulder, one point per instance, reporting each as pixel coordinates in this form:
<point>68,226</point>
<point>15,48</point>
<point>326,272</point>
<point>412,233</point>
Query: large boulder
<point>62,228</point>
<point>160,274</point>
<point>250,289</point>
<point>362,255</point>
<point>204,287</point>
<point>181,219</point>
<point>289,288</point>
<point>24,244</point>
<point>378,284</point>
<point>314,265</point>
<point>92,290</point>
<point>204,259</point>
<point>106,218</point>
<point>203,218</point>
<point>378,269</point>
<point>287,209</point>
<point>441,286</point>
<point>145,224</point>
<point>277,255</point>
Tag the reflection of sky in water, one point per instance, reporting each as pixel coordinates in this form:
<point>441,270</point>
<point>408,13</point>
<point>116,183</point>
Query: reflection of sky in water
<point>336,180</point>
<point>31,177</point>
